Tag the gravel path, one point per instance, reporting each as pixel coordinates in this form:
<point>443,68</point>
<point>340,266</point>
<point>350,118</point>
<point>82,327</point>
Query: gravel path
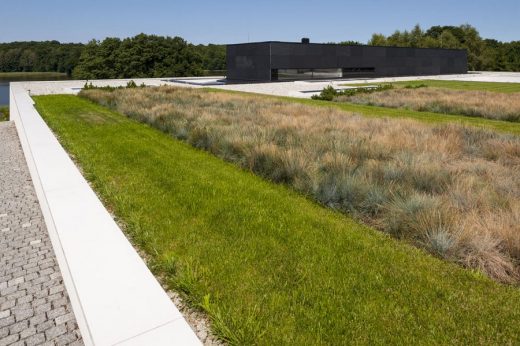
<point>34,305</point>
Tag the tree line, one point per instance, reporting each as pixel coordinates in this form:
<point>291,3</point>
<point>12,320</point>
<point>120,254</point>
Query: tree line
<point>158,56</point>
<point>47,56</point>
<point>138,56</point>
<point>483,54</point>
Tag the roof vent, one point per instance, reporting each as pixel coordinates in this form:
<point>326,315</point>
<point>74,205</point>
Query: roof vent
<point>305,40</point>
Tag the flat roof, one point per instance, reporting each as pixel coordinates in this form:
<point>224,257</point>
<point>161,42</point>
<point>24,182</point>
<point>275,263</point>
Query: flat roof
<point>340,45</point>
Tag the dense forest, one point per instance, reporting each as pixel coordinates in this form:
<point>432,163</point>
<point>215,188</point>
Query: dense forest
<point>483,54</point>
<point>159,56</point>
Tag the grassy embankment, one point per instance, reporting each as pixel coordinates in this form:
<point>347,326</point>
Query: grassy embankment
<point>442,188</point>
<point>384,112</point>
<point>275,267</point>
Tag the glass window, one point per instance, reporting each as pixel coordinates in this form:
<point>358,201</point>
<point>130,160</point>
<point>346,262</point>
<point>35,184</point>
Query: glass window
<point>358,71</point>
<point>306,74</point>
<point>320,73</point>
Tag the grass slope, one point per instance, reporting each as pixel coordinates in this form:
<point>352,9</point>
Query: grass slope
<point>268,265</point>
<point>458,85</point>
<point>383,112</point>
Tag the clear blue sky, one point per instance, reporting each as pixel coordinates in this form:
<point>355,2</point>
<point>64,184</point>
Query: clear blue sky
<point>232,21</point>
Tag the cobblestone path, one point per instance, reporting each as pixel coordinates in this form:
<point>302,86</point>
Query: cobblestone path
<point>34,305</point>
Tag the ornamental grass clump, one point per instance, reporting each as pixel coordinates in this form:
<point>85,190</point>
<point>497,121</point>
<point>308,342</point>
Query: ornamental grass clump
<point>450,189</point>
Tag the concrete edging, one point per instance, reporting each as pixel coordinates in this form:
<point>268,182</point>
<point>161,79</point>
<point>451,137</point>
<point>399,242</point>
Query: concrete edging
<point>115,298</point>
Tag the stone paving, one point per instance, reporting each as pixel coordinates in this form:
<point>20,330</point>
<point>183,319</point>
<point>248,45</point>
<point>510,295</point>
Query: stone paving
<point>34,305</point>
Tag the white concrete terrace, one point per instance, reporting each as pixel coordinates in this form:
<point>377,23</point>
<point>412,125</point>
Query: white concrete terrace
<point>115,298</point>
<point>300,89</point>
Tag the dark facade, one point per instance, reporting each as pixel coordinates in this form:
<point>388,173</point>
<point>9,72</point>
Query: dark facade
<point>278,61</point>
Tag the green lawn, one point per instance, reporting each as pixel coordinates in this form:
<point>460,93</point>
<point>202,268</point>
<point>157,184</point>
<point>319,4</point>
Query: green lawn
<point>4,113</point>
<point>459,85</point>
<point>269,266</point>
<point>382,112</point>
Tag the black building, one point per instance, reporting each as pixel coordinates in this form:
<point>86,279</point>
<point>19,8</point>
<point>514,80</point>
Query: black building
<point>279,61</point>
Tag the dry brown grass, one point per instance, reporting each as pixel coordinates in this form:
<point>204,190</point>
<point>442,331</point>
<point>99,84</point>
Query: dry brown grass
<point>452,190</point>
<point>485,104</point>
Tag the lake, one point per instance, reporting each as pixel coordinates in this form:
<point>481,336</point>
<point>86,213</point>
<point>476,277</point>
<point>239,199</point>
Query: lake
<point>6,78</point>
<point>4,93</point>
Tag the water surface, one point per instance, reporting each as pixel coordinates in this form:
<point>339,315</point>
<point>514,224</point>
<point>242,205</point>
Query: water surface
<point>4,93</point>
<point>5,79</point>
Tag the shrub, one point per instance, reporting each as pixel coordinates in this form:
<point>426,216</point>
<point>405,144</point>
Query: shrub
<point>329,93</point>
<point>415,86</point>
<point>131,84</point>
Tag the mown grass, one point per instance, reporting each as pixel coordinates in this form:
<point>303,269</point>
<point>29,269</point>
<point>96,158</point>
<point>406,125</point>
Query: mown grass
<point>4,113</point>
<point>457,85</point>
<point>452,190</point>
<point>269,266</point>
<point>384,112</point>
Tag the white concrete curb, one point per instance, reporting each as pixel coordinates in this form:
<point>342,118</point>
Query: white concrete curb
<point>115,298</point>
